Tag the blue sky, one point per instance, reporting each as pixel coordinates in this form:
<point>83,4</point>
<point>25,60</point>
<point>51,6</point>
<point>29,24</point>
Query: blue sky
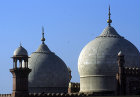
<point>69,25</point>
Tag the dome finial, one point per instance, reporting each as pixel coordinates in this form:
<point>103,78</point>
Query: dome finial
<point>109,21</point>
<point>42,39</point>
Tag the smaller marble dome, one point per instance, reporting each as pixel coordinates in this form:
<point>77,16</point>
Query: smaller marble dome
<point>20,51</point>
<point>49,72</point>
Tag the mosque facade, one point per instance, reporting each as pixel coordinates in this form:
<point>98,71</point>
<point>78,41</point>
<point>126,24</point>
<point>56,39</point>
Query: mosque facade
<point>108,65</point>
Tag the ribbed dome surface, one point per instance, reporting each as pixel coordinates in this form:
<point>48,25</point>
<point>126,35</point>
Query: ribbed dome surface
<point>97,63</point>
<point>43,48</point>
<point>49,72</point>
<point>20,51</point>
<point>109,32</point>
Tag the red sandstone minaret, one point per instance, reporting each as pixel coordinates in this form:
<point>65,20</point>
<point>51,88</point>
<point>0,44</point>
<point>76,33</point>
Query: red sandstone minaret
<point>121,74</point>
<point>20,72</point>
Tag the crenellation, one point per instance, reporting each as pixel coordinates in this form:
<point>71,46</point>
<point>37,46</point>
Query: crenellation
<point>5,95</point>
<point>132,71</point>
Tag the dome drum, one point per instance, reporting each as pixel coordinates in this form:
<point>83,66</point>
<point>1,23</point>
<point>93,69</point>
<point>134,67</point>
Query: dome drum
<point>98,83</point>
<point>48,89</point>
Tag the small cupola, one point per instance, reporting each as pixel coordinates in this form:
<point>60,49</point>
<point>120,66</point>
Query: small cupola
<point>20,51</point>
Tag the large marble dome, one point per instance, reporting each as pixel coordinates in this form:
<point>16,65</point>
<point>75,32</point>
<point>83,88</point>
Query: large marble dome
<point>97,63</point>
<point>49,72</point>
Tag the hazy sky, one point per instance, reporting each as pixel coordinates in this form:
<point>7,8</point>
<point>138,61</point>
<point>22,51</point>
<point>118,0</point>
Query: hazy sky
<point>69,25</point>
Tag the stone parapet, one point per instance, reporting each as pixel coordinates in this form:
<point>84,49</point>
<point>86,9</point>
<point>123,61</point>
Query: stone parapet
<point>132,71</point>
<point>5,95</point>
<point>73,87</point>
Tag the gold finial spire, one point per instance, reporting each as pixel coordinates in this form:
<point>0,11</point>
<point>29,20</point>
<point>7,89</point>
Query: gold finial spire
<point>42,39</point>
<point>109,21</point>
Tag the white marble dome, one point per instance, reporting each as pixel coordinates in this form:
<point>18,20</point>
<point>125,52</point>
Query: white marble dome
<point>20,51</point>
<point>97,63</point>
<point>49,72</point>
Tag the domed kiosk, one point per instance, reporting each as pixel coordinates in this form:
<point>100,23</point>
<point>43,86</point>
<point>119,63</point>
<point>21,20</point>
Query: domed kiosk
<point>20,51</point>
<point>20,73</point>
<point>49,73</point>
<point>97,63</point>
